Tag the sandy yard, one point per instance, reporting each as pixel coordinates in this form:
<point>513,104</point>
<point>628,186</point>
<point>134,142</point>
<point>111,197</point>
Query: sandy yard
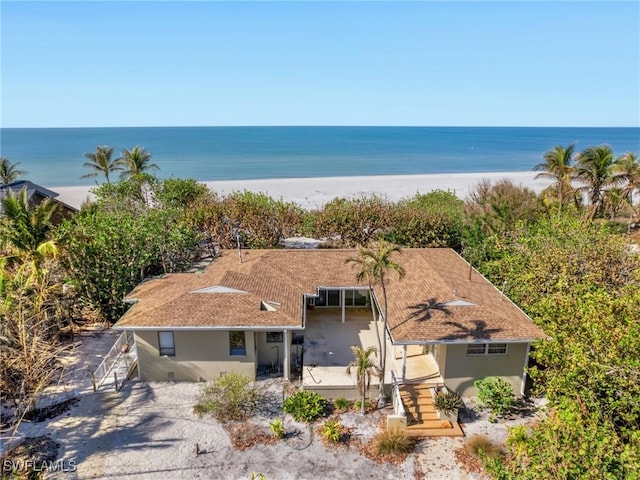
<point>149,431</point>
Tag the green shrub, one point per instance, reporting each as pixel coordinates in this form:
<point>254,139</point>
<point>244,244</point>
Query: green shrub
<point>277,428</point>
<point>332,430</point>
<point>392,442</point>
<point>342,404</point>
<point>231,397</point>
<point>481,447</point>
<point>496,394</point>
<point>305,406</point>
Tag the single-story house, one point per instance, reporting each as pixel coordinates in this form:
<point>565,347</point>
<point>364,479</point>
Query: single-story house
<point>297,312</point>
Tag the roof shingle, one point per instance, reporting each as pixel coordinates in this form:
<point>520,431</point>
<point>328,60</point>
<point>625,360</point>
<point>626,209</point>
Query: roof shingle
<point>440,299</point>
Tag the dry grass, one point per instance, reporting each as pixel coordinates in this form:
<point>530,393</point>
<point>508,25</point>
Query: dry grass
<point>246,435</point>
<point>481,446</point>
<point>388,446</point>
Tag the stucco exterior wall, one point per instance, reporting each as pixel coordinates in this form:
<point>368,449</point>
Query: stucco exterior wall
<point>267,353</point>
<point>460,370</point>
<point>200,355</point>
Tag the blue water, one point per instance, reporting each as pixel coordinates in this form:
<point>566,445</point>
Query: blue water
<point>54,156</point>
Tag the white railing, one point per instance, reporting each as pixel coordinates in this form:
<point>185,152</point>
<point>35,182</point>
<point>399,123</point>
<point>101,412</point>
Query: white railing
<point>398,406</point>
<point>123,345</point>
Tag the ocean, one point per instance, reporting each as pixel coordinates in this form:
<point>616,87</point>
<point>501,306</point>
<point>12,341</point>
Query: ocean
<point>53,157</point>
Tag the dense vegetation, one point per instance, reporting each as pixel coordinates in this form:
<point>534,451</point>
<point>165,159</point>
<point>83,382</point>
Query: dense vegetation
<point>566,257</point>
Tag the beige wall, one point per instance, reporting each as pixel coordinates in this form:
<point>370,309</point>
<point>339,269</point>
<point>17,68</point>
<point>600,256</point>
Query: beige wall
<point>200,355</point>
<point>267,354</point>
<point>460,370</point>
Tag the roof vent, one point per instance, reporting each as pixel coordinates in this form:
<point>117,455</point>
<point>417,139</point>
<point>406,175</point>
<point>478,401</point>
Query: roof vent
<point>459,303</point>
<point>269,306</point>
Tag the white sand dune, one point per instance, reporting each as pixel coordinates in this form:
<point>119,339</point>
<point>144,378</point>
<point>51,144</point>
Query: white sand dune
<point>314,192</point>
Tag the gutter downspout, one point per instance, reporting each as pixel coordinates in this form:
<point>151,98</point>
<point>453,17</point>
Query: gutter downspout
<point>524,370</point>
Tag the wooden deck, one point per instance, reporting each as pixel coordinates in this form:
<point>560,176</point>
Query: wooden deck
<point>423,420</point>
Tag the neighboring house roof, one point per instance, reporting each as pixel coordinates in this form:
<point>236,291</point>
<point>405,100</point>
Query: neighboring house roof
<point>35,194</point>
<point>436,301</point>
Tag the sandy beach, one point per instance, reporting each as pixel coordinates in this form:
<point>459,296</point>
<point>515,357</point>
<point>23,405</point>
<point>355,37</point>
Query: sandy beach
<point>314,192</point>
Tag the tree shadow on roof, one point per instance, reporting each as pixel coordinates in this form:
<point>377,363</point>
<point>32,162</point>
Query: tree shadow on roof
<point>423,311</point>
<point>479,332</point>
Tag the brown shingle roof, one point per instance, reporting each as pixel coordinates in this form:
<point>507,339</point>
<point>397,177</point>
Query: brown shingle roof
<point>435,301</point>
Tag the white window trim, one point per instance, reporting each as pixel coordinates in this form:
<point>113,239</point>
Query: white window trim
<point>486,349</point>
<point>172,347</point>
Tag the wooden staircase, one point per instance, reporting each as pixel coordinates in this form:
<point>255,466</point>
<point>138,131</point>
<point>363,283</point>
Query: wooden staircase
<point>423,420</point>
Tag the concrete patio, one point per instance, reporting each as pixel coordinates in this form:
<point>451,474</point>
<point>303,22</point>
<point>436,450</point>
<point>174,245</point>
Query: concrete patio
<point>327,350</point>
<point>420,367</point>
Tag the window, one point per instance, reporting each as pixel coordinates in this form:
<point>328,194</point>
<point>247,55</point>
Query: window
<point>274,337</point>
<point>476,349</point>
<point>360,298</point>
<point>496,349</point>
<point>237,344</point>
<point>333,298</point>
<point>321,299</point>
<point>487,349</point>
<point>355,298</point>
<point>166,344</point>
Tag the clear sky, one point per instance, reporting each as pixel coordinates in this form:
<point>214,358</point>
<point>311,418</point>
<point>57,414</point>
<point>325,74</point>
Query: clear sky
<point>120,63</point>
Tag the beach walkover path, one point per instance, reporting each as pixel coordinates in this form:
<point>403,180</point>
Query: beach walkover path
<point>117,366</point>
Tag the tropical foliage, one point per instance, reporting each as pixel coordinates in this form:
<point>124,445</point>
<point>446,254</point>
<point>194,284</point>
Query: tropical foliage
<point>373,264</point>
<point>305,406</point>
<point>136,161</point>
<point>496,394</point>
<point>100,162</point>
<point>9,172</point>
<point>581,284</point>
<point>364,368</point>
<point>112,246</point>
<point>25,231</point>
<point>31,303</point>
<point>434,219</point>
<point>595,168</point>
<point>557,166</point>
<point>255,219</point>
<point>230,397</point>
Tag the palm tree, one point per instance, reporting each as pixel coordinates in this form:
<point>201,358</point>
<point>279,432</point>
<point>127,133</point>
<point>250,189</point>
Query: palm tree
<point>375,262</point>
<point>595,167</point>
<point>9,172</point>
<point>365,368</point>
<point>25,233</point>
<point>557,167</point>
<point>615,202</point>
<point>100,162</point>
<point>136,161</point>
<point>627,170</point>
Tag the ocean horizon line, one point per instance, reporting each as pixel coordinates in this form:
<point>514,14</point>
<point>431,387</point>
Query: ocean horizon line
<point>327,126</point>
<point>56,155</point>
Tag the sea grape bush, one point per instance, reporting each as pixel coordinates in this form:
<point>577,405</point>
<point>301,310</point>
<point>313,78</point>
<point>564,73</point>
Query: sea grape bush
<point>230,397</point>
<point>495,394</point>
